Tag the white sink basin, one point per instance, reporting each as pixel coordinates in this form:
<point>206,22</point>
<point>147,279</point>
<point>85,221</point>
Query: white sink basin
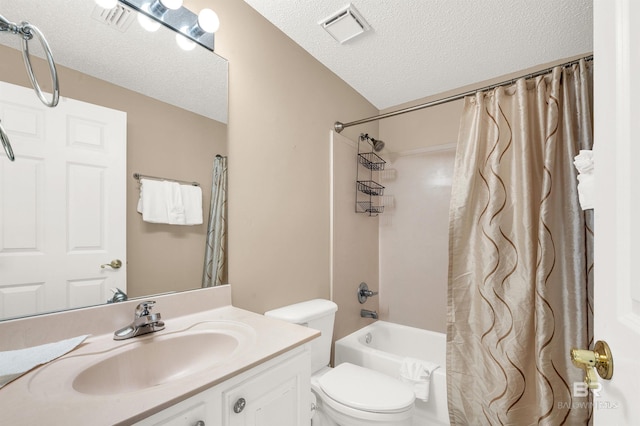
<point>156,361</point>
<point>152,360</point>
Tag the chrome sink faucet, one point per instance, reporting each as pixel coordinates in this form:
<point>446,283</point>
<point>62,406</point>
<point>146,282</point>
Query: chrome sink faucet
<point>144,322</point>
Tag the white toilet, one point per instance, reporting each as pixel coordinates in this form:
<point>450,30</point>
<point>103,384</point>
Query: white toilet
<point>347,395</point>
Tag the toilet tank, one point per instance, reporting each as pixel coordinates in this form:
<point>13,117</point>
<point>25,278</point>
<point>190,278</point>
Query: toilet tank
<point>318,314</point>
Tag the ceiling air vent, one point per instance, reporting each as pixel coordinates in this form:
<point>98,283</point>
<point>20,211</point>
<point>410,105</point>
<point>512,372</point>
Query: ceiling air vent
<point>119,17</point>
<point>345,24</point>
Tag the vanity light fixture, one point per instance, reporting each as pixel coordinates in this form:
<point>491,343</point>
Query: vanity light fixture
<point>190,28</point>
<point>160,7</point>
<point>207,22</point>
<point>183,42</point>
<point>147,23</point>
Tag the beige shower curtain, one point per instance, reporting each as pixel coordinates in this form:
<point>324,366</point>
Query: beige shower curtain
<point>215,259</point>
<point>520,254</point>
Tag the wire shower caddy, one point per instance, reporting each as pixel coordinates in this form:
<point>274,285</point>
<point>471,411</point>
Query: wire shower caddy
<point>368,192</point>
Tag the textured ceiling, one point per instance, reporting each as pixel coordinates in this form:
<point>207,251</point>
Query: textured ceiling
<point>415,49</point>
<point>419,48</point>
<point>149,63</point>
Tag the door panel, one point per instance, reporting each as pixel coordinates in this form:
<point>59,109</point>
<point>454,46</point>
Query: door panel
<point>62,204</point>
<point>617,226</point>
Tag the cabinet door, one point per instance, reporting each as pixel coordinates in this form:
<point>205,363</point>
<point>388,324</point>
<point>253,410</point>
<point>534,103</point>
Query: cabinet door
<point>278,396</point>
<point>191,412</point>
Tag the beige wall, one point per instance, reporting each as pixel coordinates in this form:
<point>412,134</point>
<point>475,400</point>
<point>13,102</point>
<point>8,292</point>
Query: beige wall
<point>282,106</point>
<point>162,140</point>
<point>421,129</point>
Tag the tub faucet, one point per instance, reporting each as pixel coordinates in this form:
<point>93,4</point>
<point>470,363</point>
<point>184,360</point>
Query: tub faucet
<point>144,322</point>
<point>365,313</point>
<point>364,292</point>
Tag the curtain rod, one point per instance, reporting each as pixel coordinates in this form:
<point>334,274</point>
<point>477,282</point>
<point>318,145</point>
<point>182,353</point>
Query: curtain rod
<point>339,127</point>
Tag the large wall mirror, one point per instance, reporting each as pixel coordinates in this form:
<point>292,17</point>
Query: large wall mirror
<point>176,109</point>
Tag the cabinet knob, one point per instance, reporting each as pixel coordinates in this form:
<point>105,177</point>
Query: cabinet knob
<point>239,405</point>
<point>199,423</point>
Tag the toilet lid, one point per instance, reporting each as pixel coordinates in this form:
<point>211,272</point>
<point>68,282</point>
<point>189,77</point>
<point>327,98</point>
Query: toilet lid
<point>365,389</point>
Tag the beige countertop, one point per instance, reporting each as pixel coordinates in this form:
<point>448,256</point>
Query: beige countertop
<point>45,395</point>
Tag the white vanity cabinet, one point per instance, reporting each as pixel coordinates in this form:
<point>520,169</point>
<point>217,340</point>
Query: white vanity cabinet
<point>276,396</point>
<point>276,392</point>
<point>195,411</point>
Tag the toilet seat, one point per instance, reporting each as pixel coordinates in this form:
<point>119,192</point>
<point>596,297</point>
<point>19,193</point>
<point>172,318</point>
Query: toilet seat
<point>366,390</point>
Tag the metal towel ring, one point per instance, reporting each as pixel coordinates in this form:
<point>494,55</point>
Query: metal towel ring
<point>27,30</point>
<point>6,144</point>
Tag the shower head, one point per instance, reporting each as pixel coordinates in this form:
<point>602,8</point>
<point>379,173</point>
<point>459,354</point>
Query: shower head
<point>377,144</point>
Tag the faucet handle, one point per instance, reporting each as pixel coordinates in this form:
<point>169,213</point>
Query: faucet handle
<point>144,308</point>
<point>364,292</point>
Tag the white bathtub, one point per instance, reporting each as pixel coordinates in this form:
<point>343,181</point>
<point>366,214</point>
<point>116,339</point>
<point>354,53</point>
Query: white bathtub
<point>388,344</point>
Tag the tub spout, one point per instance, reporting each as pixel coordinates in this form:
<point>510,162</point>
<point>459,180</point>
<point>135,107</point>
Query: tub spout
<point>365,313</point>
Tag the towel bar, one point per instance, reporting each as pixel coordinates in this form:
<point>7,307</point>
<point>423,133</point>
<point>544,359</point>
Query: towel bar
<point>139,176</point>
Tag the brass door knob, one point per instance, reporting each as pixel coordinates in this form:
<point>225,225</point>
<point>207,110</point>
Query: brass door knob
<point>115,264</point>
<point>591,361</point>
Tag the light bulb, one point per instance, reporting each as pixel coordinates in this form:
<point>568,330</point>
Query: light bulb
<point>208,20</point>
<point>107,4</point>
<point>147,23</point>
<point>184,42</point>
<point>172,4</point>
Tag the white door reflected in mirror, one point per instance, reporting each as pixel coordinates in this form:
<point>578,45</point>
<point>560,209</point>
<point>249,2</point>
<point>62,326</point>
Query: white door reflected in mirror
<point>69,171</point>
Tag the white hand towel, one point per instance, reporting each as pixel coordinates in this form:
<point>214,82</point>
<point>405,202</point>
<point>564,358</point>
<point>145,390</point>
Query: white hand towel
<point>14,364</point>
<point>584,161</point>
<point>175,207</point>
<point>192,201</point>
<point>417,374</point>
<point>161,202</point>
<point>152,203</point>
<point>585,166</point>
